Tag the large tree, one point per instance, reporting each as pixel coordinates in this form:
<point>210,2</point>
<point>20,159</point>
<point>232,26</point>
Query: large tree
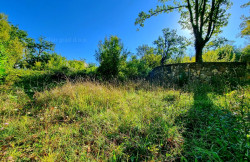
<point>204,17</point>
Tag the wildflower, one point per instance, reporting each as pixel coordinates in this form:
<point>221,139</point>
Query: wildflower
<point>2,128</point>
<point>29,113</point>
<point>6,123</point>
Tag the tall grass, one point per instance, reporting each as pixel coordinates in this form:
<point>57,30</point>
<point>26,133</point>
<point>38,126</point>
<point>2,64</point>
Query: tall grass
<point>91,121</point>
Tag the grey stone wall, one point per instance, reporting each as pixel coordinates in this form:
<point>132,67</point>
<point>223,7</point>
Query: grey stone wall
<point>204,72</point>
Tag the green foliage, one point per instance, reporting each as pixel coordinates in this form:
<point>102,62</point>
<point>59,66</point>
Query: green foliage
<point>222,54</point>
<point>137,68</point>
<point>88,121</point>
<point>225,53</point>
<point>111,55</point>
<point>152,60</point>
<point>245,57</point>
<point>11,47</point>
<point>148,55</point>
<point>204,18</point>
<point>91,69</point>
<point>217,42</point>
<point>170,45</point>
<point>4,28</point>
<point>145,50</point>
<point>245,25</point>
<point>55,62</point>
<point>41,56</point>
<point>140,67</point>
<point>42,52</point>
<point>20,34</point>
<point>77,65</point>
<point>246,30</point>
<point>3,61</point>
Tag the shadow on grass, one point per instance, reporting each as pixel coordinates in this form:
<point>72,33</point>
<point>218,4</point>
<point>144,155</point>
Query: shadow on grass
<point>39,82</point>
<point>212,133</point>
<point>48,80</point>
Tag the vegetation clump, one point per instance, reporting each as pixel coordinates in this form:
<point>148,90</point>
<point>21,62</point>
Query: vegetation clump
<point>93,121</point>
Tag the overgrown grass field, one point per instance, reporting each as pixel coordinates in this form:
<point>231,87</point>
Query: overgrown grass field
<point>91,121</point>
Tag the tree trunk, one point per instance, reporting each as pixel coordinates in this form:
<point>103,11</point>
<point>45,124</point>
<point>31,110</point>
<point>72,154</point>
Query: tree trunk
<point>163,60</point>
<point>198,49</point>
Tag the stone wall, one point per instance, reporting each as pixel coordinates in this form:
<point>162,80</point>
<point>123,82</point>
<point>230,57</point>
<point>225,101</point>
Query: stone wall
<point>184,72</point>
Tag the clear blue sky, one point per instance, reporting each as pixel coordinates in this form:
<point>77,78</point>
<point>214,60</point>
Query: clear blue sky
<point>76,26</point>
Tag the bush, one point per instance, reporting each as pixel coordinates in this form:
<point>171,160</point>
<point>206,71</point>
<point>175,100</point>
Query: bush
<point>110,55</point>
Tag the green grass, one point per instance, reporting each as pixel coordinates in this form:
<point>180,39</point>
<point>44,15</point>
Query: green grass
<point>89,121</point>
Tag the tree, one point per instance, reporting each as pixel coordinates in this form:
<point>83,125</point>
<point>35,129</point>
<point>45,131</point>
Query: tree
<point>145,49</point>
<point>137,68</point>
<point>148,55</point>
<point>21,34</point>
<point>151,60</point>
<point>11,46</point>
<point>245,32</point>
<point>52,61</point>
<point>40,51</point>
<point>245,25</point>
<point>225,53</point>
<point>217,42</point>
<point>110,55</point>
<point>170,44</point>
<point>44,46</point>
<point>204,17</point>
<point>77,64</point>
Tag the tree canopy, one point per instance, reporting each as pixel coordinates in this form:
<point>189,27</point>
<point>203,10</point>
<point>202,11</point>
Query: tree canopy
<point>204,17</point>
<point>170,45</point>
<point>11,46</point>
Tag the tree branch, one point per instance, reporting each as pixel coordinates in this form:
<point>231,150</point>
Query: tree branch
<point>191,15</point>
<point>202,15</point>
<point>143,16</point>
<point>214,23</point>
<point>210,19</point>
<point>196,12</point>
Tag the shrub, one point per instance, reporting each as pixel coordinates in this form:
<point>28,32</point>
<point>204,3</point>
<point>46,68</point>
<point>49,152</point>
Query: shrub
<point>110,55</point>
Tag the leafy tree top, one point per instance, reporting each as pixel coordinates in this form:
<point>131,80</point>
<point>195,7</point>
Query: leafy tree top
<point>170,44</point>
<point>204,17</point>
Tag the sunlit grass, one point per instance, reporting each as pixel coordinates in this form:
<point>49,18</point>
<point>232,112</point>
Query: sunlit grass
<point>91,121</point>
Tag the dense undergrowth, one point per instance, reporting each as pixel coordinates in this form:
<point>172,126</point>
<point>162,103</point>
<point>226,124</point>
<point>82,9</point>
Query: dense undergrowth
<point>93,121</point>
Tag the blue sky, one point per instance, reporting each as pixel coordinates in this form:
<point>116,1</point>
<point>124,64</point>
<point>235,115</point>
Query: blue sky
<point>76,26</point>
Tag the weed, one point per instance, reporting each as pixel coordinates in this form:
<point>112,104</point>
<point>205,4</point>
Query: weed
<point>91,121</point>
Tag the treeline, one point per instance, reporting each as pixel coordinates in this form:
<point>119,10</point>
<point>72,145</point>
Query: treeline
<point>20,54</point>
